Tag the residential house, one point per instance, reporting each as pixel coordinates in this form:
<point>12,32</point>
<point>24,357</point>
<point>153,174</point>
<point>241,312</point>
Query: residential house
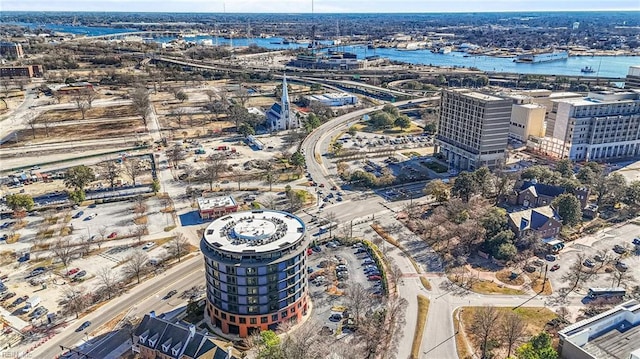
<point>533,194</point>
<point>544,221</point>
<point>158,338</point>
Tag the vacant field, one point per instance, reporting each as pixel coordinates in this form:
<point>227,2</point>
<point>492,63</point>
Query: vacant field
<point>535,319</point>
<point>364,127</point>
<point>86,131</point>
<point>92,113</point>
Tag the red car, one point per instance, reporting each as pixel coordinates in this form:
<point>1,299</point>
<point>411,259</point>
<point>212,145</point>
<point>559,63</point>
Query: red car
<point>73,271</point>
<point>334,188</point>
<point>322,185</point>
<point>374,277</point>
<point>112,235</point>
<point>555,267</point>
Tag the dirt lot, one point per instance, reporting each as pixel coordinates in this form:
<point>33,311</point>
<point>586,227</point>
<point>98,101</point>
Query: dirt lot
<point>93,113</point>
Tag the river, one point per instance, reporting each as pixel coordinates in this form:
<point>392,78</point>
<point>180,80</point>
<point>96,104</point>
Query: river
<point>603,66</point>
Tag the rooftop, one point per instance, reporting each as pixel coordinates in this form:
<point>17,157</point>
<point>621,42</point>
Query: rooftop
<point>614,334</point>
<point>479,95</point>
<point>254,231</point>
<point>215,202</point>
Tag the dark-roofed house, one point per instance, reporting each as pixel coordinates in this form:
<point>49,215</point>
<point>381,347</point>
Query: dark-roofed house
<point>614,334</point>
<point>534,194</point>
<point>544,221</point>
<point>158,338</point>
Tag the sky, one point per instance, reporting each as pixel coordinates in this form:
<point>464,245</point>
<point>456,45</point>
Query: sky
<point>320,6</point>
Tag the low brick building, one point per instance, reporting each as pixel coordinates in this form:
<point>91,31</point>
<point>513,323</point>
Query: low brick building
<point>544,221</point>
<point>22,71</point>
<point>211,208</point>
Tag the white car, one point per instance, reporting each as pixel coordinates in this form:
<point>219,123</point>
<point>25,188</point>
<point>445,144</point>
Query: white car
<point>148,245</point>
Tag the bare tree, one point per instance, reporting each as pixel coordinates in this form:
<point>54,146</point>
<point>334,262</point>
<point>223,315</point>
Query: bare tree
<point>133,168</point>
<point>269,176</point>
<point>575,275</point>
<point>76,299</point>
<point>302,343</point>
<point>82,105</point>
<point>110,171</point>
<point>63,250</point>
<point>512,330</point>
<point>484,325</point>
<point>88,95</point>
<point>358,300</point>
<point>178,114</point>
<point>178,246</point>
<point>174,155</point>
<point>135,264</point>
<point>242,95</point>
<point>32,122</point>
<point>139,231</point>
<point>216,165</point>
<point>141,103</point>
<point>211,95</point>
<point>102,232</point>
<point>619,277</point>
<point>108,279</point>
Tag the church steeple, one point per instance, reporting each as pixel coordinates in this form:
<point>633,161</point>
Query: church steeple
<point>285,112</point>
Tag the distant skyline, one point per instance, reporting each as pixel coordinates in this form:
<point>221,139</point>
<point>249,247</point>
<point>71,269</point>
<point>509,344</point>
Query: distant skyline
<point>320,6</point>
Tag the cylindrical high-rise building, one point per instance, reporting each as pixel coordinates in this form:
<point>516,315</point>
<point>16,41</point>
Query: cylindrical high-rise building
<point>256,270</point>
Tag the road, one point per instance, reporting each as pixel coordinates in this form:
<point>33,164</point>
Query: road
<point>137,301</point>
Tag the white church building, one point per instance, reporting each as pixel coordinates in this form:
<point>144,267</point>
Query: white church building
<point>280,116</point>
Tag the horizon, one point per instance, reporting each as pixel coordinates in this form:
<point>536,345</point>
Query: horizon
<point>317,6</point>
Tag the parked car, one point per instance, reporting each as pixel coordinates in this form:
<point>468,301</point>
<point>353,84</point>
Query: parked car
<point>83,326</point>
<point>374,277</point>
<point>335,317</point>
<point>538,262</point>
<point>170,294</point>
<point>555,267</point>
<point>148,245</point>
<point>598,258</point>
<point>636,241</point>
<point>73,271</point>
<point>112,235</point>
<point>550,257</point>
<point>316,249</point>
<point>622,266</point>
<point>78,215</point>
<point>81,274</point>
<point>91,216</point>
<point>9,295</point>
<point>619,249</point>
<point>588,263</point>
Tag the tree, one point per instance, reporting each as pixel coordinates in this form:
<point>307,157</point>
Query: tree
<point>464,186</point>
<point>269,176</point>
<point>32,122</point>
<point>297,159</point>
<point>216,165</point>
<point>135,264</point>
<point>506,251</point>
<point>382,120</point>
<point>174,155</point>
<point>538,347</point>
<point>438,190</point>
<point>108,279</point>
<point>565,168</point>
<point>78,177</point>
<point>494,221</point>
<point>178,246</point>
<point>391,109</point>
<point>110,171</point>
<point>610,189</point>
<point>569,208</point>
<point>211,95</point>
<point>242,95</point>
<point>402,122</point>
<point>76,299</point>
<point>81,103</point>
<point>512,330</point>
<point>246,129</point>
<point>484,325</point>
<point>178,114</point>
<point>133,167</point>
<point>575,276</point>
<point>238,114</point>
<point>336,148</point>
<point>20,202</point>
<point>63,250</point>
<point>141,103</point>
<point>618,277</point>
<point>632,195</point>
<point>483,180</point>
<point>268,345</point>
<point>182,96</point>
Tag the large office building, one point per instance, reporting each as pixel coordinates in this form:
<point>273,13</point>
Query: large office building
<point>11,50</point>
<point>473,129</point>
<point>632,80</point>
<point>602,126</point>
<point>614,334</point>
<point>256,270</point>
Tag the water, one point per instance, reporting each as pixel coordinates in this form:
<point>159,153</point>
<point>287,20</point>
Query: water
<point>604,66</point>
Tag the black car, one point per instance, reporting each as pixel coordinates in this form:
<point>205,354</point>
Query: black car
<point>84,326</point>
<point>78,215</point>
<point>619,249</point>
<point>170,294</point>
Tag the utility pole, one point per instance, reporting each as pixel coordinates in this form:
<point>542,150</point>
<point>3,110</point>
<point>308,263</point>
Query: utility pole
<point>544,281</point>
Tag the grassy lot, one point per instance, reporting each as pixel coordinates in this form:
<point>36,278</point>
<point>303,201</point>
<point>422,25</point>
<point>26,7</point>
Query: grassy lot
<point>483,286</point>
<point>395,131</point>
<point>88,131</point>
<point>92,113</point>
<point>536,284</point>
<point>435,166</point>
<point>535,319</point>
<point>423,310</point>
<point>425,283</point>
<point>505,277</point>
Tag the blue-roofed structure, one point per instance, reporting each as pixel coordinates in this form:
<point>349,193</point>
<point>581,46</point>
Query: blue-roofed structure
<point>544,221</point>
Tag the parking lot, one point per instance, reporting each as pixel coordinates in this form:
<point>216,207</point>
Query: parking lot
<point>111,221</point>
<point>333,268</point>
<point>598,249</point>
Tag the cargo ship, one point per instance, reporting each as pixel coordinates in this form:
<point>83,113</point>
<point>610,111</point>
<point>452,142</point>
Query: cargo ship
<point>542,57</point>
